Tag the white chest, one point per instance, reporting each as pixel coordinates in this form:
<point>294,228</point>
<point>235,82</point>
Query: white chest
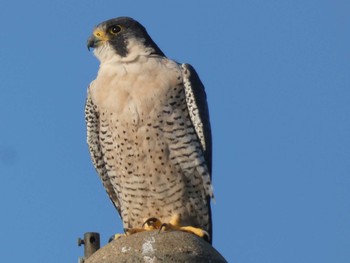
<point>135,88</point>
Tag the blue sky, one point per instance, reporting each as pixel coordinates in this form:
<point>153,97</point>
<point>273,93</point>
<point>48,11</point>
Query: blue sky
<point>277,76</point>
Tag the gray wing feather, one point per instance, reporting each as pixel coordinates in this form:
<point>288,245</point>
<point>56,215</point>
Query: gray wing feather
<point>197,105</point>
<point>93,140</point>
<point>196,100</point>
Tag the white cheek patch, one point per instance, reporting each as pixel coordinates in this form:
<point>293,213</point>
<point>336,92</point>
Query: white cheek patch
<point>135,49</point>
<point>105,53</point>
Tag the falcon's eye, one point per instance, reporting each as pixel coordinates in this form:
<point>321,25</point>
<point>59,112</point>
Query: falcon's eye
<point>115,30</point>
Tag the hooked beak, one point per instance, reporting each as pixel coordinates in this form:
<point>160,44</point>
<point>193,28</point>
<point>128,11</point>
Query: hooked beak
<point>92,42</point>
<point>96,38</point>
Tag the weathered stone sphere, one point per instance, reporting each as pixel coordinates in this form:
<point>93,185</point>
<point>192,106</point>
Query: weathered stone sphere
<point>151,246</point>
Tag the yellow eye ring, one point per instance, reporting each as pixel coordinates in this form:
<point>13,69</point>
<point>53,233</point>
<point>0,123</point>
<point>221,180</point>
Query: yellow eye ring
<point>115,29</point>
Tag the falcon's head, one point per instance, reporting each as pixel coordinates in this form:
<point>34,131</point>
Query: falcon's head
<point>123,39</point>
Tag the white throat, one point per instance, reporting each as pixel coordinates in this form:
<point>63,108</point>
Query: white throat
<point>135,49</point>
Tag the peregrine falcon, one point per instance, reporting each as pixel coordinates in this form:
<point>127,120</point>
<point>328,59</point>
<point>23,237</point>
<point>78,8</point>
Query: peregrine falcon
<point>148,132</point>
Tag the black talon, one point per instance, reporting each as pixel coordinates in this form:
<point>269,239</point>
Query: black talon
<point>206,236</point>
<point>161,227</point>
<point>111,239</point>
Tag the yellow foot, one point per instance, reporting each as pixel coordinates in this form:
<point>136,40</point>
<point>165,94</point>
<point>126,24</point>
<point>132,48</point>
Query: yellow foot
<point>195,230</point>
<point>174,224</point>
<point>128,232</point>
<point>154,224</point>
<point>150,224</point>
<point>115,237</point>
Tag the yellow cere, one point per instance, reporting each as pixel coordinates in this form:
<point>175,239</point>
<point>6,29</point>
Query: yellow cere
<point>101,35</point>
